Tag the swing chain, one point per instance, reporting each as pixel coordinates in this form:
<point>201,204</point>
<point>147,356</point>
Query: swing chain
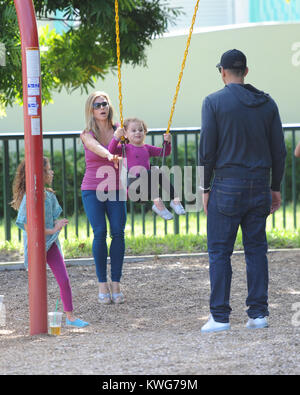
<point>182,66</point>
<point>119,62</point>
<point>180,74</point>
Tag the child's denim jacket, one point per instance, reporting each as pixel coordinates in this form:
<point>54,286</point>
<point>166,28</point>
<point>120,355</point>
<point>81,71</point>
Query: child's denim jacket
<point>52,212</point>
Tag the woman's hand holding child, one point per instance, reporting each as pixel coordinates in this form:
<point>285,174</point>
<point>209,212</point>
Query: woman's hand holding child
<point>167,137</point>
<point>114,158</point>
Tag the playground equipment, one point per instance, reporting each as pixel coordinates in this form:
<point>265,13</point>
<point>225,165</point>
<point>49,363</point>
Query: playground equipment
<point>31,76</point>
<point>179,78</point>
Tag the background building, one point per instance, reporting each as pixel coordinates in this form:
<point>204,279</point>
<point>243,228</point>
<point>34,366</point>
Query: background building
<point>272,48</point>
<point>227,12</point>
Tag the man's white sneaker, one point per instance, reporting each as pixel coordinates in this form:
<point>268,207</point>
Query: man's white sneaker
<point>213,326</point>
<point>165,213</point>
<point>256,323</point>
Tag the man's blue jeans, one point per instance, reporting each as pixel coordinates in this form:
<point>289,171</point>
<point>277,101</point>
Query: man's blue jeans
<point>233,202</point>
<point>96,212</point>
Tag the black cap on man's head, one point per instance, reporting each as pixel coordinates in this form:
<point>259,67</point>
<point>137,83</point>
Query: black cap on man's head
<point>233,59</point>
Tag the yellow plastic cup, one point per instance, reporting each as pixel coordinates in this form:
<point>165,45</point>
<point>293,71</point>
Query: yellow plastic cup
<point>54,323</point>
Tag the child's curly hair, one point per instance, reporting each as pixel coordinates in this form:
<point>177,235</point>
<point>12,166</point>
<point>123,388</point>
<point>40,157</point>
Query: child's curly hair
<point>127,121</point>
<point>19,184</point>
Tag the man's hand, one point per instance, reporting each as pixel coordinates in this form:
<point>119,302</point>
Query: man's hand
<point>276,201</point>
<point>205,198</point>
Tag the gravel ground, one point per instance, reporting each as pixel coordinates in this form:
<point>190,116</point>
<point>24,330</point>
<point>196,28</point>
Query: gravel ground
<point>157,331</point>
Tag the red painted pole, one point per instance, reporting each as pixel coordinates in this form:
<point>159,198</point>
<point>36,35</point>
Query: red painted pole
<point>31,76</point>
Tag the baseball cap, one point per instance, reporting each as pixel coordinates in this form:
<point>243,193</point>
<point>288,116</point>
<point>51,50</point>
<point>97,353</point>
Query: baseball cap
<point>233,59</point>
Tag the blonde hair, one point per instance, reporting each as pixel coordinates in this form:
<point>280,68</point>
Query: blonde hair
<point>90,123</point>
<point>19,183</point>
<point>127,121</point>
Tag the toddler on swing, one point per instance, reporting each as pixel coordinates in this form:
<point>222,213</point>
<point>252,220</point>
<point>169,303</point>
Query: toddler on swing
<point>138,158</point>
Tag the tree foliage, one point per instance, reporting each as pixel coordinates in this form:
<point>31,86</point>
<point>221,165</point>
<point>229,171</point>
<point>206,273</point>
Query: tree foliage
<point>86,51</point>
<point>11,73</point>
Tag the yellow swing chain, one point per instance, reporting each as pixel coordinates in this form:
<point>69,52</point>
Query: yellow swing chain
<point>180,74</point>
<point>119,61</point>
<point>182,66</point>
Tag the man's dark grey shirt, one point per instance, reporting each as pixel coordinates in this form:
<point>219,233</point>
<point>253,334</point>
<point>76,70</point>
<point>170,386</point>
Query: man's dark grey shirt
<point>241,135</point>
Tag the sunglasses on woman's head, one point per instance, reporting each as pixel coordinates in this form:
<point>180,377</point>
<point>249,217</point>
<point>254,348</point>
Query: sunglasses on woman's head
<point>103,104</point>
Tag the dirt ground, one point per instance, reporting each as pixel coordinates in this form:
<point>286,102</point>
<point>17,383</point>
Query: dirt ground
<point>157,330</point>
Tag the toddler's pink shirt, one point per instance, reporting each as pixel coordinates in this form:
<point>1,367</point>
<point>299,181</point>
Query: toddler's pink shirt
<point>137,156</point>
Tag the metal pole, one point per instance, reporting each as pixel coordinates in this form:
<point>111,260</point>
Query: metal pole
<point>31,76</point>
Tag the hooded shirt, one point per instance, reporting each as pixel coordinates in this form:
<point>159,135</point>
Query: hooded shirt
<point>241,135</point>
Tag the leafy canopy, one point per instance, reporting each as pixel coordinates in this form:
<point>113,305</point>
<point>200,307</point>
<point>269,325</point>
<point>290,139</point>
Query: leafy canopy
<point>86,50</point>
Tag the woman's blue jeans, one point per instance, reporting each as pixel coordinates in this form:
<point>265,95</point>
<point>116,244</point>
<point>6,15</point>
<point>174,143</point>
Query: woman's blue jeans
<point>96,212</point>
<point>233,203</point>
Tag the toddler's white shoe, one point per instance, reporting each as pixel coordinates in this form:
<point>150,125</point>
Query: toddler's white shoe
<point>213,326</point>
<point>256,323</point>
<point>178,208</point>
<point>165,213</point>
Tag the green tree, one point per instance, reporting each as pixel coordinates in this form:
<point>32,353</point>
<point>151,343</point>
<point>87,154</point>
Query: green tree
<point>87,50</point>
<point>10,74</point>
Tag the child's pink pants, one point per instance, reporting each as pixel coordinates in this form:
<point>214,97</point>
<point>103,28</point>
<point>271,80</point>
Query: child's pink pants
<point>58,267</point>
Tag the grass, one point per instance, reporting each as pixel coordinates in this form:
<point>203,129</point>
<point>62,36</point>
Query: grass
<point>188,241</point>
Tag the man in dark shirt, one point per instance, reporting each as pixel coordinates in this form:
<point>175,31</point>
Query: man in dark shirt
<point>241,142</point>
<point>297,150</point>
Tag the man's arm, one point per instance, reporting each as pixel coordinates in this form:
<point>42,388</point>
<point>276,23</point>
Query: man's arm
<point>278,152</point>
<point>207,148</point>
<point>297,150</point>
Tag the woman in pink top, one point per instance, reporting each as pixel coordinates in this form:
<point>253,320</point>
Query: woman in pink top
<point>138,165</point>
<point>100,195</point>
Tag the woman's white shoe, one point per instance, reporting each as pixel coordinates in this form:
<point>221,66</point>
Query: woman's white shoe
<point>104,298</point>
<point>117,298</point>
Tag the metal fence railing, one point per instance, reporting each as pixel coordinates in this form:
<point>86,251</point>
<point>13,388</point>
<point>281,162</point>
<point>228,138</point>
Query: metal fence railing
<point>67,158</point>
